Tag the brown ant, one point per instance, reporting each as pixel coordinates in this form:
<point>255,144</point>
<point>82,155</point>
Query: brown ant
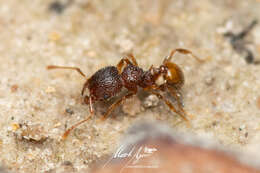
<point>109,81</point>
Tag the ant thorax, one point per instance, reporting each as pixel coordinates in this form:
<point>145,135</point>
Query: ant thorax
<point>132,77</point>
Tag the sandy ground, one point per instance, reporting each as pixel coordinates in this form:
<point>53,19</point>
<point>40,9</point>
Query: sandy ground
<point>37,105</point>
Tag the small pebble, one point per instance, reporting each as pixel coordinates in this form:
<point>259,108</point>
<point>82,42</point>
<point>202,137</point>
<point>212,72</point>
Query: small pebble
<point>246,134</point>
<point>242,127</point>
<point>209,80</point>
<point>151,101</point>
<point>15,127</point>
<point>57,7</point>
<point>69,111</point>
<point>50,90</point>
<point>14,88</point>
<point>54,36</point>
<point>57,125</point>
<point>30,133</point>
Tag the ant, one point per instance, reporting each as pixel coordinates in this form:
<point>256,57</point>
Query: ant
<point>109,81</point>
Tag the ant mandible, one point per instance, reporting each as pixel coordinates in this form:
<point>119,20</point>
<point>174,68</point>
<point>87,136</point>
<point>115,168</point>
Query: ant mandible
<point>109,81</point>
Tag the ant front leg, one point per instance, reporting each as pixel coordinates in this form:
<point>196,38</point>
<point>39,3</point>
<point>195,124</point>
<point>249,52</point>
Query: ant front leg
<point>182,51</point>
<point>176,97</point>
<point>168,103</point>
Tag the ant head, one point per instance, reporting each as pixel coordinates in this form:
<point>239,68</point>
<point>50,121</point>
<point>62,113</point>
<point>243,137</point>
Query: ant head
<point>172,74</point>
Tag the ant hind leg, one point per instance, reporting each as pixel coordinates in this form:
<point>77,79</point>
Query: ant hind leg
<point>50,67</point>
<point>116,104</point>
<point>131,56</point>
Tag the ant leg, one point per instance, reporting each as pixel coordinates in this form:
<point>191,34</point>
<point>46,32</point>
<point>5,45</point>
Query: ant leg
<point>50,67</point>
<point>91,105</point>
<point>174,94</point>
<point>150,69</point>
<point>114,105</point>
<point>84,87</point>
<point>87,100</point>
<point>67,132</point>
<point>172,108</point>
<point>132,58</point>
<point>182,51</point>
<point>126,60</point>
<point>122,63</point>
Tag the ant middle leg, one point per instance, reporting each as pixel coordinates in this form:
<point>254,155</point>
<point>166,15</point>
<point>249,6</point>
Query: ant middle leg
<point>88,101</point>
<point>50,67</point>
<point>132,58</point>
<point>67,132</point>
<point>116,104</point>
<point>182,51</point>
<point>122,62</point>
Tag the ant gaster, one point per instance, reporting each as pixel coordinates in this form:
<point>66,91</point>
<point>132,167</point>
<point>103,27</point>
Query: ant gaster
<point>109,81</point>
